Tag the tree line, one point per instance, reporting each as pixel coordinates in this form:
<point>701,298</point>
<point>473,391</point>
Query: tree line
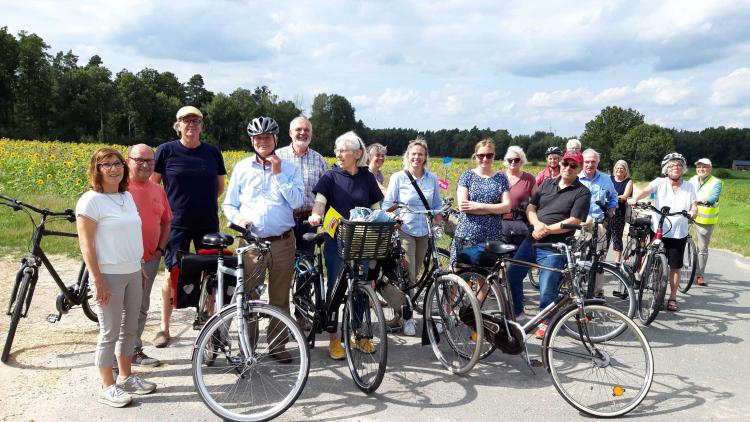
<point>44,96</point>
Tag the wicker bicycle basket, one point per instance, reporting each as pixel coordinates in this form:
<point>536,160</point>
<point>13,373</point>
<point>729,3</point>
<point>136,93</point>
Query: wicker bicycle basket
<point>363,240</point>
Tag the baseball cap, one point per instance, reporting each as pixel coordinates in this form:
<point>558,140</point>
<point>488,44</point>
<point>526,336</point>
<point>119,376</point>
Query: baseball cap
<point>705,161</point>
<point>187,111</point>
<point>573,155</point>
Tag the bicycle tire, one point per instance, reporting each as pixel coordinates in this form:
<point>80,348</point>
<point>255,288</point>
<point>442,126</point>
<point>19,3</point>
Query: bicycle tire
<point>15,315</point>
<point>302,298</point>
<point>653,288</point>
<point>474,277</point>
<point>451,304</point>
<point>619,295</point>
<point>533,276</point>
<point>367,367</point>
<point>444,256</point>
<point>689,265</point>
<point>88,299</point>
<point>255,388</point>
<point>603,379</point>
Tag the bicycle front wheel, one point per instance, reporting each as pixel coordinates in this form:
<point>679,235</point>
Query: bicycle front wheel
<point>603,379</point>
<point>254,385</point>
<point>365,338</point>
<point>453,315</point>
<point>15,315</point>
<point>689,265</point>
<point>653,287</point>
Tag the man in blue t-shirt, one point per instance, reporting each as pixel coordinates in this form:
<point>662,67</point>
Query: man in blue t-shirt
<point>193,175</point>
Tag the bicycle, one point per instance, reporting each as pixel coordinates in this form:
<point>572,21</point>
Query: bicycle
<point>362,319</point>
<point>648,262</point>
<point>78,294</point>
<point>237,366</point>
<point>599,360</point>
<point>440,297</point>
<point>689,263</point>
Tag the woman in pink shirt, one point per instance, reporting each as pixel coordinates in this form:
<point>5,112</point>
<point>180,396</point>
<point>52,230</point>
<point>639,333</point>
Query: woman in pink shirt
<point>553,156</point>
<point>522,186</point>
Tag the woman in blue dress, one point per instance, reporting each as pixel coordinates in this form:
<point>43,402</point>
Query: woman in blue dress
<point>483,196</point>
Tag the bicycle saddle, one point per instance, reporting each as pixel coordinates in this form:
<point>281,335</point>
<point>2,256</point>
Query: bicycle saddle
<point>316,238</point>
<point>500,248</point>
<point>218,239</point>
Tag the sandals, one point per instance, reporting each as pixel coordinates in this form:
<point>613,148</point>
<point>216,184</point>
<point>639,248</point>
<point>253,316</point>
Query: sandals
<point>672,305</point>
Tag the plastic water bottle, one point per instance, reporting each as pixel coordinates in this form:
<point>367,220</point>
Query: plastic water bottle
<point>651,199</point>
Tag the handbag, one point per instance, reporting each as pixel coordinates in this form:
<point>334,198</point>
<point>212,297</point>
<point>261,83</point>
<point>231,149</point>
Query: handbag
<point>514,231</point>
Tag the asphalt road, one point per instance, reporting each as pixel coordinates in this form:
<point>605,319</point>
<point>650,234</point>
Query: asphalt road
<point>700,356</point>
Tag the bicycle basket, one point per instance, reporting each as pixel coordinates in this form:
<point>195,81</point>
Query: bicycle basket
<point>363,240</point>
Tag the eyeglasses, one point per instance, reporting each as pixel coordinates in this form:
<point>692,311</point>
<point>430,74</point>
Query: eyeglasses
<point>191,121</point>
<point>142,161</point>
<point>513,160</point>
<point>573,166</point>
<point>488,156</point>
<point>110,166</point>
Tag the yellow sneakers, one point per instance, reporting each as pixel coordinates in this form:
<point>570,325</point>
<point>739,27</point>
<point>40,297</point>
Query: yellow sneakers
<point>336,350</point>
<point>365,346</point>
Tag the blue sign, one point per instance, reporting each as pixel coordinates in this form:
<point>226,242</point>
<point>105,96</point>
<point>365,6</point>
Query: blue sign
<point>447,161</point>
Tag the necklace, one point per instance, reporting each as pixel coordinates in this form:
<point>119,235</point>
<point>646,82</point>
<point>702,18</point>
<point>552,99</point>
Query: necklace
<point>109,195</point>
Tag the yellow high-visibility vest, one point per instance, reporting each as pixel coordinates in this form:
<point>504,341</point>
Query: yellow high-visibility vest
<point>708,214</point>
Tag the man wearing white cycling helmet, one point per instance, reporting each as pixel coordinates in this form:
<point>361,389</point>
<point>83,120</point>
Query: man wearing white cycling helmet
<point>673,192</point>
<point>263,192</point>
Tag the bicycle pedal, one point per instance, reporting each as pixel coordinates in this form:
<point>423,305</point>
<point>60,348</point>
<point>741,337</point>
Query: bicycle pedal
<point>53,318</point>
<point>536,363</point>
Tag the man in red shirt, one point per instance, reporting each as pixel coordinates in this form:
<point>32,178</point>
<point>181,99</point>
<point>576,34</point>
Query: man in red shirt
<point>156,217</point>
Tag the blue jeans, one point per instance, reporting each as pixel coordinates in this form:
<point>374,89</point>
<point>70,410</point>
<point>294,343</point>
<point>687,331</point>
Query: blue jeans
<point>549,281</point>
<point>334,267</point>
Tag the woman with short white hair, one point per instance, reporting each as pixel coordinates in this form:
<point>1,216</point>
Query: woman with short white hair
<point>573,145</point>
<point>348,184</point>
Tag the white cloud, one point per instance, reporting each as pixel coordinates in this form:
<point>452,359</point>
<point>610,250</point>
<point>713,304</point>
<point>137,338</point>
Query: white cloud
<point>398,97</point>
<point>558,98</point>
<point>663,91</point>
<point>733,89</point>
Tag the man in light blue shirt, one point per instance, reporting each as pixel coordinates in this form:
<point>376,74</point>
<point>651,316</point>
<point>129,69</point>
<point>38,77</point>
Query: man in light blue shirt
<point>600,185</point>
<point>262,194</point>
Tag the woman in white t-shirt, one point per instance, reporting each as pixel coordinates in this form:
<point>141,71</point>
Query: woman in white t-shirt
<point>678,195</point>
<point>109,234</point>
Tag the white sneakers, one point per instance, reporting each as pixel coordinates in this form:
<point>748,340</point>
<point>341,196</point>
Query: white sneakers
<point>410,327</point>
<point>119,395</point>
<point>114,396</point>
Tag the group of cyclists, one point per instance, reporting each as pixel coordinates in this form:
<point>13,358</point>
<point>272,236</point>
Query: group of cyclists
<point>150,205</point>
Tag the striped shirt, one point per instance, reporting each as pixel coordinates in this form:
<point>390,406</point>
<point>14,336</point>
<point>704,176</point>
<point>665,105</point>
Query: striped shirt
<point>311,164</point>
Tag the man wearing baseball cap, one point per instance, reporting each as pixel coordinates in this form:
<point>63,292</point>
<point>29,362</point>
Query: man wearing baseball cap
<point>559,200</point>
<point>708,188</point>
<point>193,175</point>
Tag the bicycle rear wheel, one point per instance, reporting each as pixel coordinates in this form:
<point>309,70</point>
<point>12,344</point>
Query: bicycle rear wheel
<point>689,265</point>
<point>604,379</point>
<point>88,299</point>
<point>253,387</point>
<point>653,287</point>
<point>452,314</point>
<point>492,303</point>
<point>365,338</point>
<point>15,315</point>
<point>303,295</point>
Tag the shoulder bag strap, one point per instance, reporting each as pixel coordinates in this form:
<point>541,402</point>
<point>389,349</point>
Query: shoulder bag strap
<point>419,191</point>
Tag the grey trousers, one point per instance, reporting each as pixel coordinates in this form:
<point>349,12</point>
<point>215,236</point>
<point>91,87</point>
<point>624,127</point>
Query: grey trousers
<point>118,319</point>
<point>152,268</point>
<point>416,248</point>
<point>703,234</point>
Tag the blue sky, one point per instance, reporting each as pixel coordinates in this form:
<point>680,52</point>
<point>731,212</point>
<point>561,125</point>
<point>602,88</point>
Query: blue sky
<point>519,65</point>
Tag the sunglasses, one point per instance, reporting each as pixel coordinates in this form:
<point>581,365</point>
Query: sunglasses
<point>513,160</point>
<point>489,156</point>
<point>569,164</point>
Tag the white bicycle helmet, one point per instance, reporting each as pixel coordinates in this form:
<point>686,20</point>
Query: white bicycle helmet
<point>673,156</point>
<point>260,125</point>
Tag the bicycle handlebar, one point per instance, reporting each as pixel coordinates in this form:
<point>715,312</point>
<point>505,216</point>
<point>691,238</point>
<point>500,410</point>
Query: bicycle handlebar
<point>16,205</point>
<point>664,211</point>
